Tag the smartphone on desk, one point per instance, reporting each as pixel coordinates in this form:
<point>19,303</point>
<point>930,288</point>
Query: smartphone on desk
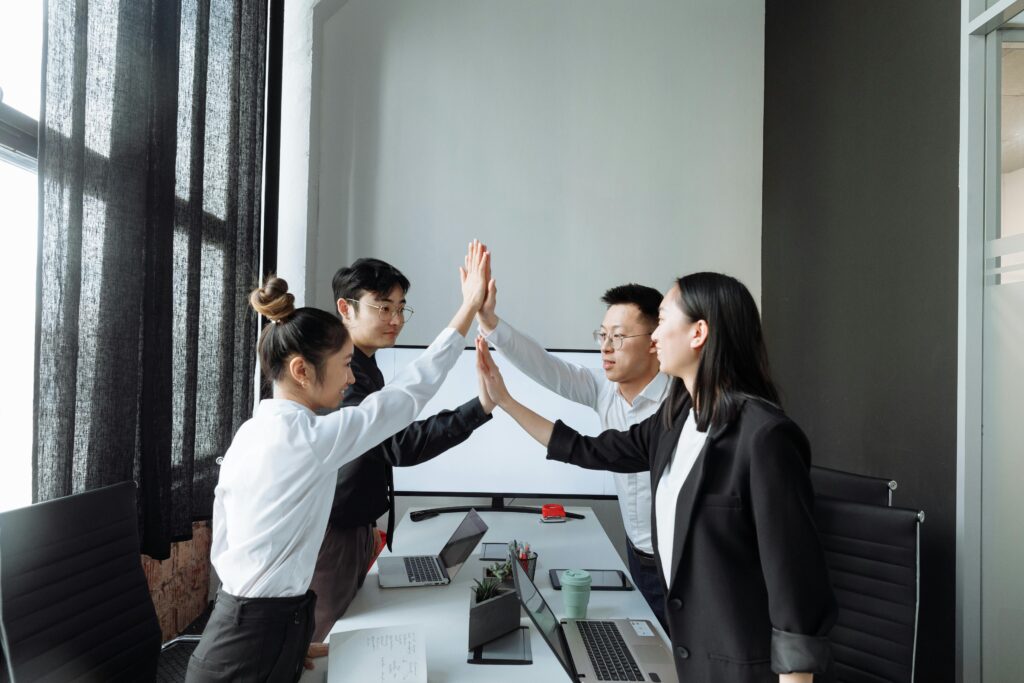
<point>601,579</point>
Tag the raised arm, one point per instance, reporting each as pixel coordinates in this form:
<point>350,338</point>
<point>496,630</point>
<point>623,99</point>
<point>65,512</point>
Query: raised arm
<point>351,431</point>
<point>571,381</point>
<point>494,385</point>
<point>427,438</point>
<point>612,450</point>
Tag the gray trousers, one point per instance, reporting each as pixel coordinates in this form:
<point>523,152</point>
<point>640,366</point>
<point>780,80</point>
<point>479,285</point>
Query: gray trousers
<point>340,570</point>
<point>254,639</point>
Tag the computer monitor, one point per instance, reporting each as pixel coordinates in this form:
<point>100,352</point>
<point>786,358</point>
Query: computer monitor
<point>500,458</point>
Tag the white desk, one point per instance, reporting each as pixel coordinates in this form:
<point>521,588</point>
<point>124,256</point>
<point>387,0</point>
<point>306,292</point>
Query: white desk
<point>578,543</point>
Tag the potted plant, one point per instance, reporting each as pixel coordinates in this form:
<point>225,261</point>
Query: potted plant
<point>493,612</point>
<point>502,571</point>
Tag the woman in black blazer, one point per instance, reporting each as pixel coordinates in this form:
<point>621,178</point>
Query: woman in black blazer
<point>747,591</point>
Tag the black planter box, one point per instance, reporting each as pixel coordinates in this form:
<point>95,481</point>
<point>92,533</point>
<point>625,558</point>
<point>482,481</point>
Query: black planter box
<point>492,618</point>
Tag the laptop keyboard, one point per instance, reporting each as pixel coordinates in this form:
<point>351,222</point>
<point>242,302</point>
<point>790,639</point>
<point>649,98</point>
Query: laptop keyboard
<point>422,569</point>
<point>608,652</point>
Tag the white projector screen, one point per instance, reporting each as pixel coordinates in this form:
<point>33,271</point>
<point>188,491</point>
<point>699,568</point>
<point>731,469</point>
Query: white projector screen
<point>500,459</point>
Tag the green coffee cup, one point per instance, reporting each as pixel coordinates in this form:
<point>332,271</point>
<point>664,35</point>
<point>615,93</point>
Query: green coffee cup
<point>575,592</point>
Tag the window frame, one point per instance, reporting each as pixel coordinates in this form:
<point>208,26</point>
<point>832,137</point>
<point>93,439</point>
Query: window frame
<point>19,138</point>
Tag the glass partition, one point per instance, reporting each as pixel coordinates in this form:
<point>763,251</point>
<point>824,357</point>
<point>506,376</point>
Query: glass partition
<point>1002,513</point>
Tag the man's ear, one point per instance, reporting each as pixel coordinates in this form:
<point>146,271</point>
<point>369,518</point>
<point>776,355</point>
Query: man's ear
<point>344,309</point>
<point>700,334</point>
<point>299,371</point>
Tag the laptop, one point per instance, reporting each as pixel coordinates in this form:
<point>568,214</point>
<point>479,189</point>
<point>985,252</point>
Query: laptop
<point>598,649</point>
<point>396,571</point>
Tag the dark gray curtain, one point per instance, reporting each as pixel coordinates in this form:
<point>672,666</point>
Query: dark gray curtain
<point>150,167</point>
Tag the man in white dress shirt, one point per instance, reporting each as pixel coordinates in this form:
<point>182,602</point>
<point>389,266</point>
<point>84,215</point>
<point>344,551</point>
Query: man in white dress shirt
<point>627,390</point>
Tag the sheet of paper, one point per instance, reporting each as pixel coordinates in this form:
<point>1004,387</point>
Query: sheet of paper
<point>396,654</point>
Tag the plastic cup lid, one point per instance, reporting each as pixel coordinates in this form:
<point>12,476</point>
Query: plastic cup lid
<point>576,577</point>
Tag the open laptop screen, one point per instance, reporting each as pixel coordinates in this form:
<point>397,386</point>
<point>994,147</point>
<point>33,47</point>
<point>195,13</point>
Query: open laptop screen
<point>542,616</point>
<point>460,545</point>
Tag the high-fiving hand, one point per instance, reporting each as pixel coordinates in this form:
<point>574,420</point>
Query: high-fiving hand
<point>493,385</point>
<point>491,382</point>
<point>474,274</point>
<point>487,319</point>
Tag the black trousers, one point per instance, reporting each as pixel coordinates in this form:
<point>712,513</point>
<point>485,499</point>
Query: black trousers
<point>645,575</point>
<point>254,639</point>
<point>341,566</point>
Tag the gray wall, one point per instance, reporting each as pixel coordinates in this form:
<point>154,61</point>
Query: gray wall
<point>860,256</point>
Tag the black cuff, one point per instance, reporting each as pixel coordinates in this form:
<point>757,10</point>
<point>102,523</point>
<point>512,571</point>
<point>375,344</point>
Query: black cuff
<point>560,443</point>
<point>799,653</point>
<point>473,413</point>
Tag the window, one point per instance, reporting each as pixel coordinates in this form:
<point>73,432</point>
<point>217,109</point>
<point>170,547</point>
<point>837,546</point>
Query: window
<point>21,40</point>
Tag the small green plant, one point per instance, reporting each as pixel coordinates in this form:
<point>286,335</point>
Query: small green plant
<point>502,571</point>
<point>487,589</point>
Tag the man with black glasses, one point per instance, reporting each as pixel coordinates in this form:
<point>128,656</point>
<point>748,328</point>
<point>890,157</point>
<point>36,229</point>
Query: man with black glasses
<point>370,296</point>
<point>628,389</point>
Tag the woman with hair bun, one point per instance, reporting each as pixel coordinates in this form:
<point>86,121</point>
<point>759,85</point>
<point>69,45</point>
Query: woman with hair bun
<point>277,478</point>
<point>748,595</point>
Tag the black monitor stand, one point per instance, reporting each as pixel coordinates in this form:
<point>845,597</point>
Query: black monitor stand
<point>497,505</point>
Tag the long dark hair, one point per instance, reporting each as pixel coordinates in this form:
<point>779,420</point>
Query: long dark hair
<point>734,362</point>
<point>308,332</point>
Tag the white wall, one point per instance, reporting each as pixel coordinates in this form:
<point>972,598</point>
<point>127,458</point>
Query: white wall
<point>588,142</point>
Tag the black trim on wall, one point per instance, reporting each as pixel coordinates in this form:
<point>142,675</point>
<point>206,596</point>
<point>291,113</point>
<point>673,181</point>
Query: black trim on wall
<point>272,153</point>
<point>272,139</point>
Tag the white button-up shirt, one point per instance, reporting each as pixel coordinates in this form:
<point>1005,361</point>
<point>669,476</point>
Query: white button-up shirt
<point>277,479</point>
<point>672,479</point>
<point>590,387</point>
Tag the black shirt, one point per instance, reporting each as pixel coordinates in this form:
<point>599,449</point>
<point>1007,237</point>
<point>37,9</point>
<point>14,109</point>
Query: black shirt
<point>365,488</point>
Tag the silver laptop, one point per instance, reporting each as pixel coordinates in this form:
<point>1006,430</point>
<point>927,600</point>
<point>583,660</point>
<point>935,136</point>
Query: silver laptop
<point>396,571</point>
<point>598,649</point>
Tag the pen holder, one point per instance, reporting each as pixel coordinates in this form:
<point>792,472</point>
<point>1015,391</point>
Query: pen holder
<point>529,563</point>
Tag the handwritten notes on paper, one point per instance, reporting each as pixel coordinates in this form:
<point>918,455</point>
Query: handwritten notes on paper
<point>386,655</point>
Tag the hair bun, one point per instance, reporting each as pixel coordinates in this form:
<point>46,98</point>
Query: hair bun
<point>272,300</point>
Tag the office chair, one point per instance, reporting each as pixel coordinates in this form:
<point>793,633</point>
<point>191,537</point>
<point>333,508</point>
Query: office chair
<point>174,657</point>
<point>873,557</point>
<point>853,487</point>
<point>74,604</point>
<point>176,652</point>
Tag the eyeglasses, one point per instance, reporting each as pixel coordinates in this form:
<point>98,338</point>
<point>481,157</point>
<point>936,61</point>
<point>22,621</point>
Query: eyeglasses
<point>602,338</point>
<point>386,313</point>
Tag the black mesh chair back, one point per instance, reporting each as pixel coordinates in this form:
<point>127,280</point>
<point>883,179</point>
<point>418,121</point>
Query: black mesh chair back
<point>873,556</point>
<point>853,487</point>
<point>74,604</point>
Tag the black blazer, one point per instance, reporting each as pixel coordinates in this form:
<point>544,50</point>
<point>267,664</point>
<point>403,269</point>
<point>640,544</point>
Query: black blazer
<point>364,490</point>
<point>750,593</point>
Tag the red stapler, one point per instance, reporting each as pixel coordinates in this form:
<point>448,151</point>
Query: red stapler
<point>552,512</point>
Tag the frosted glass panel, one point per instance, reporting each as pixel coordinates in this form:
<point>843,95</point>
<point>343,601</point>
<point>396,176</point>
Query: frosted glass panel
<point>1003,396</point>
<point>1003,484</point>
